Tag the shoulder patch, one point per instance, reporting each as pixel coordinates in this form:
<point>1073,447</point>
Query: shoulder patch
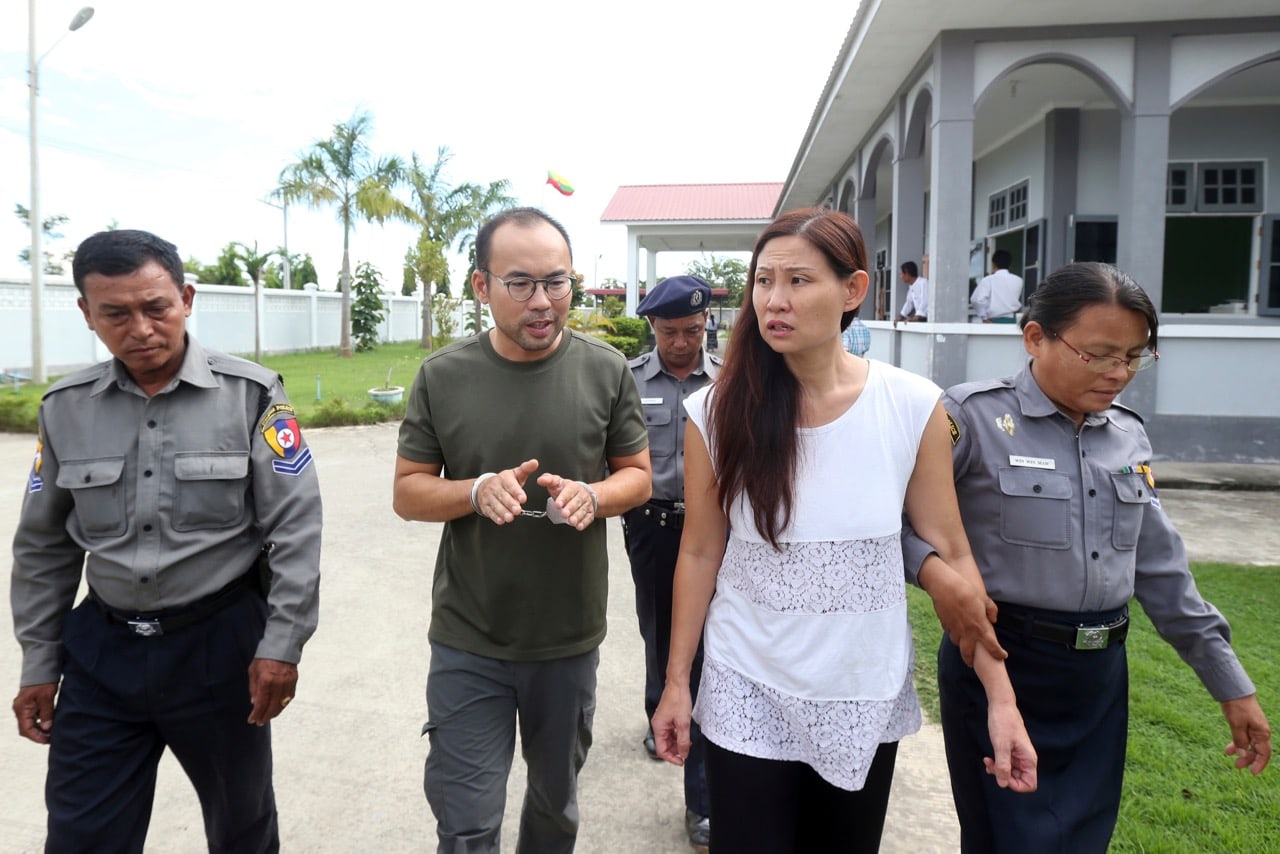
<point>279,429</point>
<point>35,482</point>
<point>955,430</point>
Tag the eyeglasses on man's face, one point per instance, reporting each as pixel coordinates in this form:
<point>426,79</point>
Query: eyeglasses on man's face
<point>1103,364</point>
<point>522,288</point>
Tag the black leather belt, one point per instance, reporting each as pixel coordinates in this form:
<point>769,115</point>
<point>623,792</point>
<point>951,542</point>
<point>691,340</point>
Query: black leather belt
<point>1073,635</point>
<point>156,623</point>
<point>667,514</point>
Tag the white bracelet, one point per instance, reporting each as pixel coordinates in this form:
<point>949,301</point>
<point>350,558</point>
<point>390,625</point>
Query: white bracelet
<point>595,499</point>
<point>476,486</point>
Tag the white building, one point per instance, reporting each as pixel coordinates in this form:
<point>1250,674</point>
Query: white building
<point>1144,133</point>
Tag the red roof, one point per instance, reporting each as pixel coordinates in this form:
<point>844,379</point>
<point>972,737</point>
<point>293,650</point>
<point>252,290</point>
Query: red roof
<point>692,202</point>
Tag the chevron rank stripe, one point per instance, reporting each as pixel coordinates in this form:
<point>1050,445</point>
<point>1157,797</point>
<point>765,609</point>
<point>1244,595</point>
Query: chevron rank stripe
<point>294,466</point>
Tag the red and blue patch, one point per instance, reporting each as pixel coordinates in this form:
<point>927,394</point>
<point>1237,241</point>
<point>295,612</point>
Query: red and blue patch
<point>279,428</point>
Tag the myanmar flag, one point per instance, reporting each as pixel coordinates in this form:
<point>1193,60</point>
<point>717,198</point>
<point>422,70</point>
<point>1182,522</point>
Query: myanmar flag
<point>559,182</point>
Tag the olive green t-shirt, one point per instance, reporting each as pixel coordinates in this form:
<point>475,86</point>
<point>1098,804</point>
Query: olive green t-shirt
<point>529,590</point>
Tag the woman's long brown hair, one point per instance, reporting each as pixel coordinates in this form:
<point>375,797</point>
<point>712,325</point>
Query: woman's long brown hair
<point>756,408</point>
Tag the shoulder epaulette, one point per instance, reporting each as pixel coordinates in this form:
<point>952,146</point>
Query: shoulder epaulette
<point>962,392</point>
<point>221,363</point>
<point>84,376</point>
<point>1128,411</point>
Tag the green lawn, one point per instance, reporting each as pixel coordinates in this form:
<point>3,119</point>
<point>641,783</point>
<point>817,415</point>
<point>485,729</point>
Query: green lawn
<point>342,385</point>
<point>324,388</point>
<point>1180,794</point>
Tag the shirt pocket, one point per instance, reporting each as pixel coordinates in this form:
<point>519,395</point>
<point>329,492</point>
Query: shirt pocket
<point>662,432</point>
<point>1132,497</point>
<point>1035,508</point>
<point>210,490</point>
<point>98,492</point>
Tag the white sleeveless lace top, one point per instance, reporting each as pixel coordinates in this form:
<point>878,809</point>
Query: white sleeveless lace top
<point>807,651</point>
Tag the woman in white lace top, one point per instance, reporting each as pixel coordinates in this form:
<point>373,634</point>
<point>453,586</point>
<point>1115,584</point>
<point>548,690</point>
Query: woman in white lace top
<point>798,467</point>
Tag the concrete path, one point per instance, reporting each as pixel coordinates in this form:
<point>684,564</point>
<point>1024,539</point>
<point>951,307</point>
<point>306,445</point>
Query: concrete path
<point>348,752</point>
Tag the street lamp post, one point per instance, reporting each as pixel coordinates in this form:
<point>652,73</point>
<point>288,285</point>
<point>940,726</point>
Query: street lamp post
<point>288,275</point>
<point>39,374</point>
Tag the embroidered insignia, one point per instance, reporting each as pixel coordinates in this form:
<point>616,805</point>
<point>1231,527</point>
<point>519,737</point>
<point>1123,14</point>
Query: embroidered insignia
<point>1005,423</point>
<point>955,430</point>
<point>35,483</point>
<point>292,467</point>
<point>695,299</point>
<point>280,430</point>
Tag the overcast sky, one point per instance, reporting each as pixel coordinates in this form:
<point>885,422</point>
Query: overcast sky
<point>178,117</point>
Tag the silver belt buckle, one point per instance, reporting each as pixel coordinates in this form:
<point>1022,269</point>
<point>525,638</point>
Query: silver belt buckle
<point>145,628</point>
<point>679,506</point>
<point>1092,637</point>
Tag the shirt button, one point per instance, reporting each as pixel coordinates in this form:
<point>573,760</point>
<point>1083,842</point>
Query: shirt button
<point>1093,492</point>
<point>1094,555</point>
<point>146,528</point>
<point>88,478</point>
<point>145,580</point>
<point>147,473</point>
<point>151,424</point>
<point>1037,488</point>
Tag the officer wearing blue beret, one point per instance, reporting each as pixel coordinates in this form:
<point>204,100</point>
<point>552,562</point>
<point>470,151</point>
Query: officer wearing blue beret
<point>677,367</point>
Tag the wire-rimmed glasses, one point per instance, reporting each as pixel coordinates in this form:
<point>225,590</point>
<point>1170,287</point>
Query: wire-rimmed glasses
<point>1103,364</point>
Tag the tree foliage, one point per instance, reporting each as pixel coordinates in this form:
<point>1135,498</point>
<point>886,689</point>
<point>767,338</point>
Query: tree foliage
<point>254,262</point>
<point>730,273</point>
<point>54,265</point>
<point>226,271</point>
<point>367,311</point>
<point>342,172</point>
<point>302,270</point>
<point>447,217</point>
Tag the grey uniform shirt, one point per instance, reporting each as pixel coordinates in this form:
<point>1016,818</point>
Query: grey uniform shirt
<point>1071,521</point>
<point>170,498</point>
<point>663,396</point>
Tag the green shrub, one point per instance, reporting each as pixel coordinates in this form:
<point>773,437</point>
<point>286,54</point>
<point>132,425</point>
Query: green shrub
<point>336,412</point>
<point>18,412</point>
<point>630,347</point>
<point>632,327</point>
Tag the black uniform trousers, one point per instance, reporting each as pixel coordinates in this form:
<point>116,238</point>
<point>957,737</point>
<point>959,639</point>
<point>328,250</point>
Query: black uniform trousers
<point>124,698</point>
<point>1075,704</point>
<point>653,549</point>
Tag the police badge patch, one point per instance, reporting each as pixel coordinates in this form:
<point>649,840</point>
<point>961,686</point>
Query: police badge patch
<point>35,482</point>
<point>279,428</point>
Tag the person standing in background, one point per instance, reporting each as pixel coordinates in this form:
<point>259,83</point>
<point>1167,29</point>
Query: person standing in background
<point>666,376</point>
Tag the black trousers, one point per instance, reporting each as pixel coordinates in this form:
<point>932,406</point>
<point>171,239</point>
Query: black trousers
<point>766,805</point>
<point>1075,704</point>
<point>652,549</point>
<point>125,698</point>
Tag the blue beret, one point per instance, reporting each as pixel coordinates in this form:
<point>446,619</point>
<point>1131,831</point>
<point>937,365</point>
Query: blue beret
<point>679,296</point>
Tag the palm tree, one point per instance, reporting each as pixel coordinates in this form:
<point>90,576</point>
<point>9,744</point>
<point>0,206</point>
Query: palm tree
<point>254,263</point>
<point>341,171</point>
<point>448,218</point>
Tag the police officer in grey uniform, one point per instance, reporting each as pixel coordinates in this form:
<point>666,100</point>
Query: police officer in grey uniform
<point>676,368</point>
<point>178,479</point>
<point>1060,507</point>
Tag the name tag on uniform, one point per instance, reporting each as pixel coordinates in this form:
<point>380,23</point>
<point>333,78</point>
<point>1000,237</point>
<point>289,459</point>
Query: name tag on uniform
<point>1032,462</point>
<point>651,401</point>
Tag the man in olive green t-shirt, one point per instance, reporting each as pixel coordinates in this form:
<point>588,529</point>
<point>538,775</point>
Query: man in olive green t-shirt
<point>519,439</point>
